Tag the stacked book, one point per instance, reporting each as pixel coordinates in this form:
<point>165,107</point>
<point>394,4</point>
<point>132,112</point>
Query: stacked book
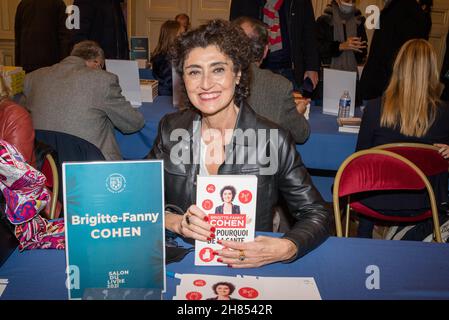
<point>149,90</point>
<point>351,125</point>
<point>14,78</point>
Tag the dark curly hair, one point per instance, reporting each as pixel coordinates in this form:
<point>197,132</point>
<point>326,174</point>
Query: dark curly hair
<point>228,284</point>
<point>229,39</point>
<point>231,188</point>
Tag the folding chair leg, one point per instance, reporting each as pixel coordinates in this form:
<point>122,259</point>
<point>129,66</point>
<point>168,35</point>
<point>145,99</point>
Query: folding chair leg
<point>348,214</point>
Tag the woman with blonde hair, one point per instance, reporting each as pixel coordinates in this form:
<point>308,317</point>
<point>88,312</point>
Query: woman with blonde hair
<point>409,111</point>
<point>16,126</point>
<point>160,57</point>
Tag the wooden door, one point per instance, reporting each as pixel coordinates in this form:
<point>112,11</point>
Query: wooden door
<point>148,16</point>
<point>204,10</point>
<point>145,17</point>
<point>7,14</point>
<point>440,27</point>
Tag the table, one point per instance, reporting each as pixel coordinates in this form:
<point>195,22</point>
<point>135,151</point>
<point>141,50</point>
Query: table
<point>326,148</point>
<point>407,270</point>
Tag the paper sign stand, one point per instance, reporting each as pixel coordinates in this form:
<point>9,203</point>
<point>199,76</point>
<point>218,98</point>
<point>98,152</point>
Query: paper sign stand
<point>128,75</point>
<point>335,83</point>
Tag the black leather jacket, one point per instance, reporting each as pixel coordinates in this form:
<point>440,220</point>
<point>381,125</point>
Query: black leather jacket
<point>291,178</point>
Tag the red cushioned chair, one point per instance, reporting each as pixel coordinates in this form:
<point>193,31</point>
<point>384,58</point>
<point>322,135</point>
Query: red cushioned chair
<point>425,156</point>
<point>380,170</point>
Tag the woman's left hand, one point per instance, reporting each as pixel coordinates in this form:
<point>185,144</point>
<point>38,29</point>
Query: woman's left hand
<point>263,250</point>
<point>444,150</point>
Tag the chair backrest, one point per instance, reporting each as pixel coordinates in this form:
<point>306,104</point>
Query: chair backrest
<point>426,157</point>
<point>377,170</point>
<point>68,148</point>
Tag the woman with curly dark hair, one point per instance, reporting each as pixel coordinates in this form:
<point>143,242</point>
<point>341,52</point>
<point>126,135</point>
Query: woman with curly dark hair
<point>219,134</point>
<point>227,194</point>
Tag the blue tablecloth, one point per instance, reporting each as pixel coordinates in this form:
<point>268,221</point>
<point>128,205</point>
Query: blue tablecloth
<point>407,270</point>
<point>326,148</point>
<point>137,145</point>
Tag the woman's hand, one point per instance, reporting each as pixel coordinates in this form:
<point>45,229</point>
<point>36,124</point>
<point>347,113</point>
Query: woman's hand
<point>444,150</point>
<point>192,224</point>
<point>263,250</point>
<point>354,44</point>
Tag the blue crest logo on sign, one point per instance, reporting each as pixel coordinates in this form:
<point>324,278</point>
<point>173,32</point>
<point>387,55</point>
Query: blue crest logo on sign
<point>116,183</point>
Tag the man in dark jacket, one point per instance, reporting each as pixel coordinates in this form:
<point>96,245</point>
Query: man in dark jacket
<point>103,22</point>
<point>41,37</point>
<point>445,72</point>
<point>400,21</point>
<point>296,57</point>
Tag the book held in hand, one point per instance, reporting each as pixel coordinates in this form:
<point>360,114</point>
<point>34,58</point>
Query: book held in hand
<point>230,204</point>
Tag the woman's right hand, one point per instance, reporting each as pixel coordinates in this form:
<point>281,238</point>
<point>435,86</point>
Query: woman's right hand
<point>192,224</point>
<point>353,43</point>
<point>444,150</point>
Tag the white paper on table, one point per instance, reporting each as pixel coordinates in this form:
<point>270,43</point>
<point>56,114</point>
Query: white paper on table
<point>199,287</point>
<point>127,72</point>
<point>287,288</point>
<point>335,83</point>
<point>3,284</point>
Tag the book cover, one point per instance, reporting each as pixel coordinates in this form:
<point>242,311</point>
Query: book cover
<point>230,204</point>
<point>139,44</point>
<point>115,235</point>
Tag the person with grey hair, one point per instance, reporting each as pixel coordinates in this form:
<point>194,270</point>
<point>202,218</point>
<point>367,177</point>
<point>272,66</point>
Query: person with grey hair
<point>77,97</point>
<point>91,52</point>
<point>271,95</point>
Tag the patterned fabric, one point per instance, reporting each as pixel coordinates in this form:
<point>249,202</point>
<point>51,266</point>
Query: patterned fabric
<point>271,18</point>
<point>23,188</point>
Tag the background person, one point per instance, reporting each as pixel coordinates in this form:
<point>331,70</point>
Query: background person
<point>292,36</point>
<point>213,62</point>
<point>77,97</point>
<point>103,21</point>
<point>41,37</point>
<point>271,95</point>
<point>409,111</point>
<point>400,21</point>
<point>160,57</point>
<point>16,126</point>
<point>342,36</point>
<point>184,21</point>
